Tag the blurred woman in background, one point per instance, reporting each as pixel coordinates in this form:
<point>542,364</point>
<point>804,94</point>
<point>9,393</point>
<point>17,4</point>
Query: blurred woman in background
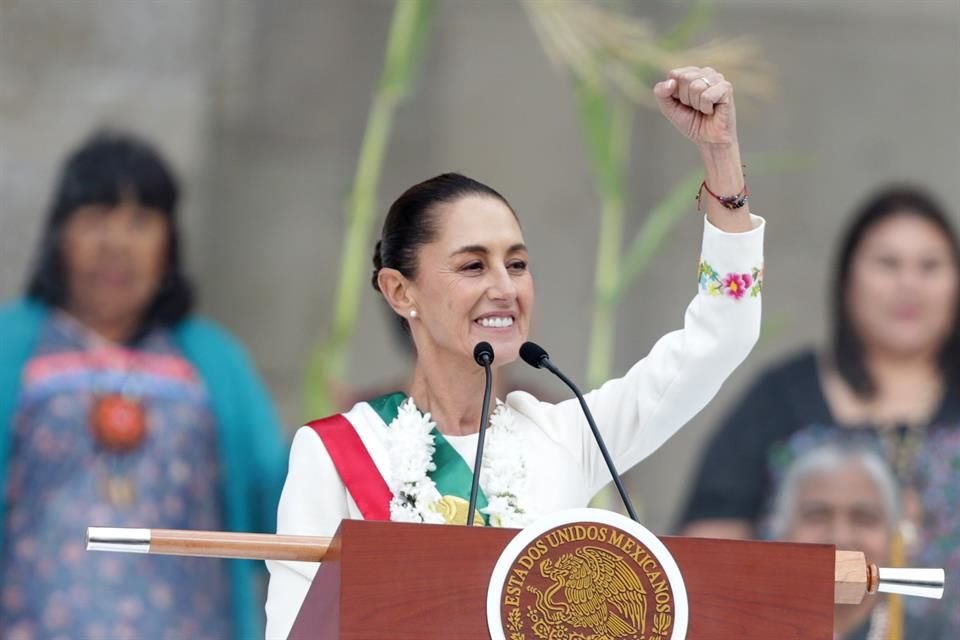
<point>119,407</point>
<point>892,372</point>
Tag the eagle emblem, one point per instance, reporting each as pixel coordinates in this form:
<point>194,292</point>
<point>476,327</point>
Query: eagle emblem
<point>593,588</point>
<point>587,574</point>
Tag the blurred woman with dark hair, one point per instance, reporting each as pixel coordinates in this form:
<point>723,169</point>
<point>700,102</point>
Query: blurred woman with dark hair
<point>120,408</point>
<point>891,372</point>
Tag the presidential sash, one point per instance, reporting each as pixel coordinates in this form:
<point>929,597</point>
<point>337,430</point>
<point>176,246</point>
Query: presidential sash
<point>365,482</point>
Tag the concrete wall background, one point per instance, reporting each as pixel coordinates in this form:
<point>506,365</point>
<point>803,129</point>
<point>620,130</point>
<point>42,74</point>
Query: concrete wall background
<point>261,105</point>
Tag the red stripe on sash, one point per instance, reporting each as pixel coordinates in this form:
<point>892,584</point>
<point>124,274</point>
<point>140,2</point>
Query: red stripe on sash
<point>356,468</point>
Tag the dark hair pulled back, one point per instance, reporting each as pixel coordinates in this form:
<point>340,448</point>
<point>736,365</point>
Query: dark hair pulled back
<point>411,221</point>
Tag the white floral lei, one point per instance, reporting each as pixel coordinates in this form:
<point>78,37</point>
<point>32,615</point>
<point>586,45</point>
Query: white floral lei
<point>503,474</point>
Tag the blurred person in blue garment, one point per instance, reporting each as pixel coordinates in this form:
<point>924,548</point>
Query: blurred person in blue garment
<point>120,407</point>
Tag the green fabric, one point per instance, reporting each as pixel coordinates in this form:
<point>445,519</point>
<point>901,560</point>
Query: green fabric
<point>452,475</point>
<point>253,451</point>
<point>388,406</point>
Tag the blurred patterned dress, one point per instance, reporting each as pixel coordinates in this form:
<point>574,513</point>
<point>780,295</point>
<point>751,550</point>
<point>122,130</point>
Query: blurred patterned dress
<point>61,480</point>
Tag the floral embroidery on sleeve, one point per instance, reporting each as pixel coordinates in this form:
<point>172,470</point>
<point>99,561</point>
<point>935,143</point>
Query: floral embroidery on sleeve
<point>732,285</point>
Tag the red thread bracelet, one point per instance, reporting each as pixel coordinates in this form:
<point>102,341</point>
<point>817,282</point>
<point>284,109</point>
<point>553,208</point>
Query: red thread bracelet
<point>728,202</point>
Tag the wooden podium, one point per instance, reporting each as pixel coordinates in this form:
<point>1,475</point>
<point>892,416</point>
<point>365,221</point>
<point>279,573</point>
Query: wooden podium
<point>392,581</point>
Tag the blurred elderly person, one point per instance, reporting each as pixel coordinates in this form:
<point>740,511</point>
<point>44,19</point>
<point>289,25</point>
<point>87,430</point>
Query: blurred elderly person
<point>120,407</point>
<point>845,494</point>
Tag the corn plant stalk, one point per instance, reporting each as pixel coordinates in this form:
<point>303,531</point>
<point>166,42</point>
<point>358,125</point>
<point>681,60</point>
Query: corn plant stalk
<point>328,360</point>
<point>655,230</point>
<point>607,123</point>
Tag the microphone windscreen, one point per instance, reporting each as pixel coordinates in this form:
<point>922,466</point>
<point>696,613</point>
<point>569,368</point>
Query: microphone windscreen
<point>483,354</point>
<point>533,354</point>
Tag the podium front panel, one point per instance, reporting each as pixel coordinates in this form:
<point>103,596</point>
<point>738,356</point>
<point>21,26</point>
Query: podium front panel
<point>398,581</point>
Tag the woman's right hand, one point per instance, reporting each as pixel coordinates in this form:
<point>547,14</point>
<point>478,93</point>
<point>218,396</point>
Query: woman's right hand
<point>698,101</point>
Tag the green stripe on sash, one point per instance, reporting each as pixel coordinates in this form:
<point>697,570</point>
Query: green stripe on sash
<point>388,406</point>
<point>452,475</point>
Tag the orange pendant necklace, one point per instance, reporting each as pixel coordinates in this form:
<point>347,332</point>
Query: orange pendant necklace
<point>118,418</point>
<point>118,422</point>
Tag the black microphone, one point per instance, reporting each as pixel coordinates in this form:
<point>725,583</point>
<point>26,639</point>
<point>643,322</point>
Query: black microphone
<point>483,355</point>
<point>537,357</point>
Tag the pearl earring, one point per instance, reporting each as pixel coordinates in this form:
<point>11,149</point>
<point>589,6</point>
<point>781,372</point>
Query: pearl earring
<point>413,313</point>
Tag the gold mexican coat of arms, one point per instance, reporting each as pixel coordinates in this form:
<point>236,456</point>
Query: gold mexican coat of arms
<point>587,581</point>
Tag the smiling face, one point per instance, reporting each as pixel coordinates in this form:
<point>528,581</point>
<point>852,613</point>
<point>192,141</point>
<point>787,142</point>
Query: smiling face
<point>472,283</point>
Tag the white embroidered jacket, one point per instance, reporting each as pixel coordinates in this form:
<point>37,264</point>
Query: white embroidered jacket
<point>636,413</point>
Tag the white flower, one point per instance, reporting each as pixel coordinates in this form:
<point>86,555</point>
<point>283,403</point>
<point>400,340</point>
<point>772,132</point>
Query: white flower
<point>415,496</point>
<point>400,512</point>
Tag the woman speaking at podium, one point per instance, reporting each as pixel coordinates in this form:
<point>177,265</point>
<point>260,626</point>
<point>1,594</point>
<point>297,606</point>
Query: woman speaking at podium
<point>452,263</point>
